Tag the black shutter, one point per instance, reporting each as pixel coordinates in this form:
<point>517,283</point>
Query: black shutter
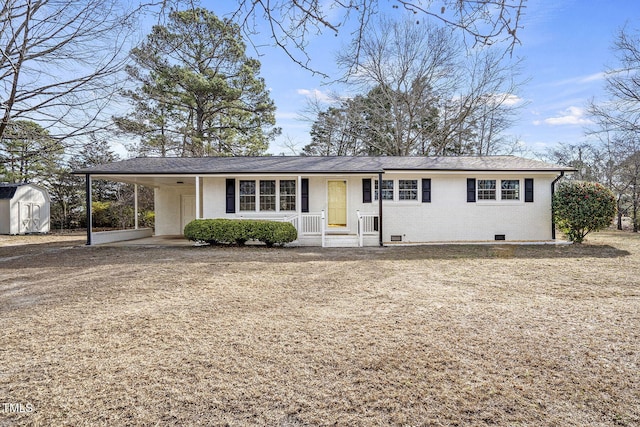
<point>426,190</point>
<point>366,190</point>
<point>528,190</point>
<point>304,195</point>
<point>231,195</point>
<point>471,189</point>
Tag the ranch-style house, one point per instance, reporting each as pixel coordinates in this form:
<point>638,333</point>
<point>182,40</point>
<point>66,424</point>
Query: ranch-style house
<point>348,201</point>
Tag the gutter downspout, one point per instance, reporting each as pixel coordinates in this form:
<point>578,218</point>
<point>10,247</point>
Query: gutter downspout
<point>89,213</point>
<point>380,241</point>
<point>553,191</point>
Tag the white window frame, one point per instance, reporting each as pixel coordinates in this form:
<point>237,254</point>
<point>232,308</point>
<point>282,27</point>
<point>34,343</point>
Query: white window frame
<point>483,193</point>
<point>293,195</point>
<point>516,191</point>
<point>393,190</point>
<point>240,196</point>
<point>417,190</point>
<point>257,195</point>
<point>498,191</point>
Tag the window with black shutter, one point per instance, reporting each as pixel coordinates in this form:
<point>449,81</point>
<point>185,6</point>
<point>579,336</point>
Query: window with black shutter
<point>528,190</point>
<point>471,189</point>
<point>366,190</point>
<point>304,195</point>
<point>426,190</point>
<point>231,195</point>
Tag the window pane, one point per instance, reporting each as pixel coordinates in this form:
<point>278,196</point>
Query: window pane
<point>288,195</point>
<point>408,189</point>
<point>247,195</point>
<point>486,189</point>
<point>387,189</point>
<point>267,195</point>
<point>510,189</point>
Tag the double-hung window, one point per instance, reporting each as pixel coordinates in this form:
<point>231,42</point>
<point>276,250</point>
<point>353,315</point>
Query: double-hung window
<point>288,195</point>
<point>247,195</point>
<point>510,189</point>
<point>387,189</point>
<point>267,195</point>
<point>408,189</point>
<point>492,189</point>
<point>486,189</point>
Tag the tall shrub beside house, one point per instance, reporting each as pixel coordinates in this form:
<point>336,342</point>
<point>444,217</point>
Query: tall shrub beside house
<point>582,207</point>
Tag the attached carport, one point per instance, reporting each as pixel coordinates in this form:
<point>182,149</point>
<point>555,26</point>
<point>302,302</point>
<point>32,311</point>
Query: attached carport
<point>187,208</point>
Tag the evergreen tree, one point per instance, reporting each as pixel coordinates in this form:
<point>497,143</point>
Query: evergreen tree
<point>199,94</point>
<point>27,151</point>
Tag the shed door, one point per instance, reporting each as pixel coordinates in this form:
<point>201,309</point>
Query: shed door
<point>337,204</point>
<point>187,211</point>
<point>29,217</point>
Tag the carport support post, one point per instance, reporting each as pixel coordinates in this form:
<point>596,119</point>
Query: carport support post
<point>299,203</point>
<point>89,213</point>
<point>135,206</point>
<point>380,241</point>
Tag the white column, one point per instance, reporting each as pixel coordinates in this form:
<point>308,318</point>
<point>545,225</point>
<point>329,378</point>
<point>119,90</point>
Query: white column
<point>197,197</point>
<point>299,202</point>
<point>135,206</point>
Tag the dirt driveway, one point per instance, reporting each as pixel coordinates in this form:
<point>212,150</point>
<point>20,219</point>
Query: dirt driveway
<point>434,335</point>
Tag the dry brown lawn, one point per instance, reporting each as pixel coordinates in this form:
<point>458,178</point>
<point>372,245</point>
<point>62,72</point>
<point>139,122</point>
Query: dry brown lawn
<point>407,336</point>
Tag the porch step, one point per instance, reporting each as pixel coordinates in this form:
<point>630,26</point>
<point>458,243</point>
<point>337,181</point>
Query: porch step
<point>341,241</point>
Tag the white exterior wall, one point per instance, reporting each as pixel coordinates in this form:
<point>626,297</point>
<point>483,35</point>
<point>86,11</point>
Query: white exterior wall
<point>214,202</point>
<point>214,197</point>
<point>449,217</point>
<point>168,208</point>
<point>5,216</point>
<point>12,210</point>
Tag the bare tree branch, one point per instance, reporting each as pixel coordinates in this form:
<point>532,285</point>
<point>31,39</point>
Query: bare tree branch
<point>292,23</point>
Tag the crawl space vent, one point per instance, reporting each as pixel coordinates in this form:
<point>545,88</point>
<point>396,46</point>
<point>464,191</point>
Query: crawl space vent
<point>500,237</point>
<point>396,238</point>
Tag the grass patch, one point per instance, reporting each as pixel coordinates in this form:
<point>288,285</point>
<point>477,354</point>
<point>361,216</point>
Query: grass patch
<point>432,335</point>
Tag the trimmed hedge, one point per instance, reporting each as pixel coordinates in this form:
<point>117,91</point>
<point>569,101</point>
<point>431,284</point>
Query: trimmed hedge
<point>239,231</point>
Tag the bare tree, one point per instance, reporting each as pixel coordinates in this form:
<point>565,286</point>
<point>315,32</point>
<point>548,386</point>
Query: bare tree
<point>60,59</point>
<point>617,122</point>
<point>404,71</point>
<point>426,96</point>
<point>293,23</point>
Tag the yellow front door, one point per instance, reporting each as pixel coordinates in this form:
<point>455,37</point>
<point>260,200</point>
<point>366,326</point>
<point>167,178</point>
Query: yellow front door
<point>337,204</point>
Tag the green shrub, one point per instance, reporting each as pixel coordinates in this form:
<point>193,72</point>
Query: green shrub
<point>582,207</point>
<point>200,230</point>
<point>230,231</point>
<point>147,219</point>
<point>239,231</point>
<point>274,233</point>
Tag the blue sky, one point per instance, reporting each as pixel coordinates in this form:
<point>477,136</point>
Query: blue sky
<point>566,46</point>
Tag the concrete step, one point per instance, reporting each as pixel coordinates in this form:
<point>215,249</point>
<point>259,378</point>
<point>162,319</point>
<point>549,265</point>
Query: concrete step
<point>341,241</point>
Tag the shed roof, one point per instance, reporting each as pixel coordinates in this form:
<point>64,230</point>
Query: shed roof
<point>7,191</point>
<point>315,165</point>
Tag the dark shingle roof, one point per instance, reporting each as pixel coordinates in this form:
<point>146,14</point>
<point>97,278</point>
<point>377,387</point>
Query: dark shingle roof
<point>7,191</point>
<point>313,165</point>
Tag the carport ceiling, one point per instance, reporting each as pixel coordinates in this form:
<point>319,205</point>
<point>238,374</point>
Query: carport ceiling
<point>150,180</point>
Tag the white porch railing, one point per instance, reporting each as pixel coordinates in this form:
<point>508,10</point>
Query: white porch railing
<point>313,224</point>
<point>367,224</point>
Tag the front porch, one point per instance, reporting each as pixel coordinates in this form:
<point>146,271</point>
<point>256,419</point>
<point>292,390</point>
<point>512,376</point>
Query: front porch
<point>314,229</point>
